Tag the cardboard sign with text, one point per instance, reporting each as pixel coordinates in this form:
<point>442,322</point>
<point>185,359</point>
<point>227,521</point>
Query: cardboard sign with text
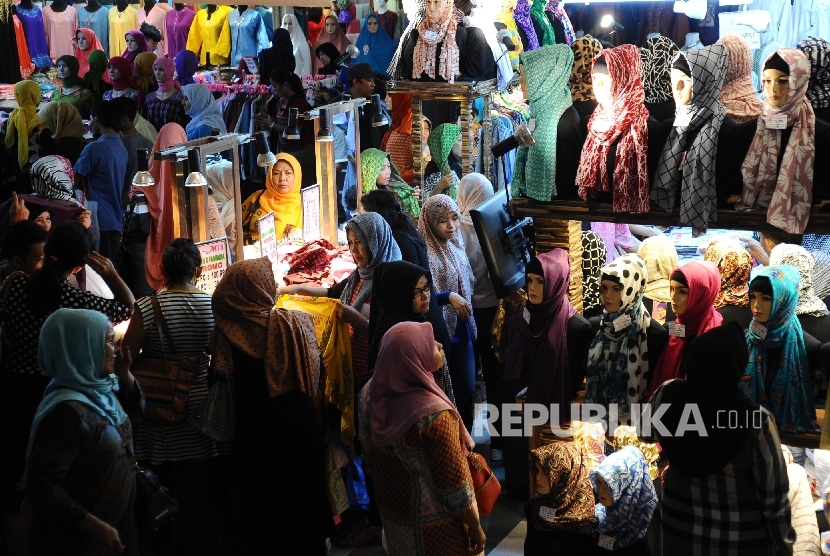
<point>311,214</point>
<point>268,237</point>
<point>215,262</point>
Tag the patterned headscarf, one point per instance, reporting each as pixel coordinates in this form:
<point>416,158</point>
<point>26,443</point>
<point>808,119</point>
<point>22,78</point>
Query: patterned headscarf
<point>426,49</point>
<point>540,18</point>
<point>734,265</point>
<point>738,93</point>
<point>571,497</point>
<point>624,379</point>
<point>473,190</point>
<point>692,168</point>
<point>660,257</point>
<point>440,144</point>
<point>788,190</point>
<point>53,179</point>
<point>625,119</point>
<point>593,259</point>
<point>818,52</point>
<point>557,8</point>
<point>787,399</point>
<point>546,71</point>
<point>63,120</point>
<point>657,56</point>
<point>448,261</point>
<point>505,17</point>
<point>521,13</point>
<point>795,255</point>
<point>415,12</point>
<point>371,163</point>
<point>23,119</point>
<point>375,236</point>
<point>585,49</point>
<point>626,474</point>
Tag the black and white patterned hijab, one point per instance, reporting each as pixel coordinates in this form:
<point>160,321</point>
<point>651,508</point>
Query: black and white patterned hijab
<point>693,166</point>
<point>593,259</point>
<point>657,56</point>
<point>818,52</point>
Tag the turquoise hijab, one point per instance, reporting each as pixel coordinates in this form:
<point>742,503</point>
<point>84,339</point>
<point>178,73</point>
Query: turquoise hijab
<point>71,350</point>
<point>787,398</point>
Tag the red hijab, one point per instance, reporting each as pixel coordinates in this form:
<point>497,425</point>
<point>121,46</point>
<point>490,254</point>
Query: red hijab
<point>125,69</point>
<point>700,316</point>
<point>83,55</point>
<point>402,124</point>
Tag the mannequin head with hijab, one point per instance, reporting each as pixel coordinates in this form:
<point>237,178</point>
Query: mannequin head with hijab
<point>681,80</point>
<point>601,83</point>
<point>775,81</point>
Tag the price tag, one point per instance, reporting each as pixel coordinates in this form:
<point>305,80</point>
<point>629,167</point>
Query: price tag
<point>678,330</point>
<point>268,236</point>
<point>531,125</point>
<point>758,329</point>
<point>682,119</point>
<point>548,514</point>
<point>607,542</point>
<point>215,261</point>
<point>366,50</point>
<point>312,226</point>
<point>621,323</point>
<point>431,36</point>
<point>526,315</point>
<point>776,122</point>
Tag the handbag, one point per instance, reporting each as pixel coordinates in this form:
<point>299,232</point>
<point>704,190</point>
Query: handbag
<point>485,485</point>
<point>154,508</point>
<point>166,382</point>
<point>216,415</point>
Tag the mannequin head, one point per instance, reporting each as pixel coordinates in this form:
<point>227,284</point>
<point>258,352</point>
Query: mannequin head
<point>760,299</point>
<point>679,297</point>
<point>331,25</point>
<point>159,73</point>
<point>611,291</point>
<point>535,288</point>
<point>80,40</point>
<point>542,481</point>
<point>436,11</point>
<point>372,24</point>
<point>288,24</point>
<point>380,6</point>
<point>775,80</point>
<point>63,70</point>
<point>681,81</point>
<point>601,81</point>
<point>132,44</point>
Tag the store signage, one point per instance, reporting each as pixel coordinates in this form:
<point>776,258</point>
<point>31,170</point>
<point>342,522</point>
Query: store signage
<point>729,26</point>
<point>250,63</point>
<point>215,261</point>
<point>311,214</point>
<point>267,237</point>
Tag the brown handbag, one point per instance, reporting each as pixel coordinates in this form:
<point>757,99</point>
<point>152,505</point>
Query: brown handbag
<point>166,382</point>
<point>485,485</point>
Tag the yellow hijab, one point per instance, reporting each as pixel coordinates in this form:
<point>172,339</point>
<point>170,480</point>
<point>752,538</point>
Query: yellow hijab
<point>144,77</point>
<point>23,120</point>
<point>63,119</point>
<point>287,207</point>
<point>660,256</point>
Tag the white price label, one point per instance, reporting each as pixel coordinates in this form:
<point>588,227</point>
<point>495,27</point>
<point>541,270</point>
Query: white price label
<point>548,514</point>
<point>779,121</point>
<point>621,323</point>
<point>526,315</point>
<point>531,125</point>
<point>730,23</point>
<point>607,542</point>
<point>682,119</point>
<point>758,329</point>
<point>678,330</point>
<point>431,36</point>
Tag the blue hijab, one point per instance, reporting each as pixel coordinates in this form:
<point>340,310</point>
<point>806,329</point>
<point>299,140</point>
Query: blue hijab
<point>626,473</point>
<point>787,398</point>
<point>203,110</point>
<point>376,49</point>
<point>71,351</point>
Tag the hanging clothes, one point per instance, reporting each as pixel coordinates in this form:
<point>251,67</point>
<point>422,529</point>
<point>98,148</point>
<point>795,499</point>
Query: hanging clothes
<point>211,34</point>
<point>177,26</point>
<point>60,30</point>
<point>657,56</point>
<point>98,21</point>
<point>157,18</point>
<point>248,34</point>
<point>557,9</point>
<point>524,21</point>
<point>27,67</point>
<point>818,88</point>
<point>120,23</point>
<point>541,24</point>
<point>35,30</point>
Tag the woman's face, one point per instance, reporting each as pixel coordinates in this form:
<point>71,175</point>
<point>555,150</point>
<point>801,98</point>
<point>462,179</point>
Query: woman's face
<point>132,46</point>
<point>283,176</point>
<point>456,148</point>
<point>44,220</point>
<point>446,228</point>
<point>63,70</point>
<point>161,75</point>
<point>602,89</point>
<point>679,297</point>
<point>776,85</point>
<point>115,75</point>
<point>542,481</point>
<point>372,25</point>
<point>151,44</point>
<point>287,24</point>
<point>109,352</point>
<point>761,306</point>
<point>385,174</point>
<point>80,40</point>
<point>438,357</point>
<point>283,89</point>
<point>185,103</point>
<point>324,58</point>
<point>535,285</point>
<point>331,26</point>
<point>611,295</point>
<point>357,250</point>
<point>604,492</point>
<point>420,296</point>
<point>425,129</point>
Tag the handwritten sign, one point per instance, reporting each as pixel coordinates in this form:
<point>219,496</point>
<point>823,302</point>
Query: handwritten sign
<point>215,262</point>
<point>267,237</point>
<point>251,64</point>
<point>728,26</point>
<point>311,213</point>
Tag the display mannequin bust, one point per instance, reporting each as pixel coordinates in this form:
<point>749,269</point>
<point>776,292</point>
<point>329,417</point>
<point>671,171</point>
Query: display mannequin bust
<point>26,4</point>
<point>58,6</point>
<point>242,8</point>
<point>381,7</point>
<point>210,9</point>
<point>93,6</point>
<point>179,7</point>
<point>692,42</point>
<point>121,5</point>
<point>427,56</point>
<point>148,5</point>
<point>388,18</point>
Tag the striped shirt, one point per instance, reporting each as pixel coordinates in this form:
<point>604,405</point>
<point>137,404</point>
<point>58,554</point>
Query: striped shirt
<point>189,317</point>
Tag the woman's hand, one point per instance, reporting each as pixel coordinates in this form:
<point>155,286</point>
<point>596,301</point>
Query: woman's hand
<point>123,362</point>
<point>443,184</point>
<point>85,219</point>
<point>104,536</point>
<point>101,265</point>
<point>18,210</point>
<point>351,315</point>
<point>756,250</point>
<point>460,305</point>
<point>477,539</point>
<point>416,192</point>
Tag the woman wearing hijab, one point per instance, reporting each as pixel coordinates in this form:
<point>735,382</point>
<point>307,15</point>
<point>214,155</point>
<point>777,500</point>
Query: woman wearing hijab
<point>374,45</point>
<point>657,55</point>
<point>280,196</point>
<point>95,79</point>
<point>627,330</point>
<point>694,287</point>
<point>72,88</point>
<point>593,259</point>
<point>327,55</point>
<point>398,138</point>
<point>186,64</point>
<point>547,169</point>
<point>274,360</point>
<point>165,106</point>
<point>23,126</point>
<point>370,244</point>
<point>79,458</point>
<point>136,44</point>
<point>818,89</point>
<point>734,265</point>
<point>740,467</point>
<point>120,72</point>
<point>331,33</point>
<point>85,43</point>
<point>204,113</point>
<point>378,172</point>
<point>560,516</point>
<point>811,311</point>
<point>660,256</point>
<point>143,78</point>
<point>620,121</point>
<point>627,501</point>
<point>444,170</point>
<point>65,135</point>
<point>738,94</point>
<point>299,44</point>
<point>418,448</point>
<point>585,49</point>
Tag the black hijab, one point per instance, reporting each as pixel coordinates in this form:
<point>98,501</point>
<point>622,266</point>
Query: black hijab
<point>331,51</point>
<point>279,55</point>
<point>715,362</point>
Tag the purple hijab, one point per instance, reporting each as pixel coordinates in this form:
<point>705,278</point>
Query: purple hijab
<point>186,63</point>
<point>138,37</point>
<point>538,352</point>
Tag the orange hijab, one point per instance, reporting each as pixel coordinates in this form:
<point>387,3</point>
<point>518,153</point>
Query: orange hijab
<point>83,55</point>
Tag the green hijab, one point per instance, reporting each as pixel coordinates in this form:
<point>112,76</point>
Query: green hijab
<point>371,163</point>
<point>95,74</point>
<point>74,67</point>
<point>537,12</point>
<point>440,144</point>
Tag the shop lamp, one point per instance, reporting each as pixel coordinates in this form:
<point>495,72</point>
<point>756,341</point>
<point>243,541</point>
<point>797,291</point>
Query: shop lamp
<point>292,131</point>
<point>325,132</point>
<point>379,119</point>
<point>521,138</point>
<point>195,178</point>
<point>608,21</point>
<point>265,157</point>
<point>142,178</point>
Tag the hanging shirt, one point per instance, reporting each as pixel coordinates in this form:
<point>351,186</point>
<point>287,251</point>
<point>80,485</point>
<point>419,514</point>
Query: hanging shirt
<point>120,22</point>
<point>60,30</point>
<point>177,26</point>
<point>156,18</point>
<point>33,28</point>
<point>211,36</point>
<point>98,21</point>
<point>248,34</point>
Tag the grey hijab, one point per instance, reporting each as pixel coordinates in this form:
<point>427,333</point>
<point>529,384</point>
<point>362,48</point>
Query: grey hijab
<point>376,237</point>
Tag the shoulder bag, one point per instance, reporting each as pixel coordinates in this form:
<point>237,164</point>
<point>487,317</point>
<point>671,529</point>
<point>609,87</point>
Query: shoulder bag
<point>485,484</point>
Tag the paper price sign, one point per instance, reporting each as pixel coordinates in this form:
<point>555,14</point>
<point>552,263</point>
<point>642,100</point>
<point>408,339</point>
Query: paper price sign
<point>729,26</point>
<point>215,262</point>
<point>267,237</point>
<point>311,213</point>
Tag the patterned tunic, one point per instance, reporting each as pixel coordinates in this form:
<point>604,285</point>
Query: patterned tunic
<point>169,110</point>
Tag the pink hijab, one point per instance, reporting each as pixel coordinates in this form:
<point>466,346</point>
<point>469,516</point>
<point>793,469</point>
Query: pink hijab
<point>403,389</point>
<point>138,37</point>
<point>169,67</point>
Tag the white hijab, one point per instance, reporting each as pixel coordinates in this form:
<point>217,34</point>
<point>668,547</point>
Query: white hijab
<point>302,52</point>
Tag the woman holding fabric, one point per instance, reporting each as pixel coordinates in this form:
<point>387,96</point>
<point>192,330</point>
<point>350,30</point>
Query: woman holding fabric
<point>204,113</point>
<point>72,89</point>
<point>331,33</point>
<point>735,266</point>
<point>136,44</point>
<point>274,360</point>
<point>165,105</point>
<point>79,477</point>
<point>443,172</point>
<point>378,172</point>
<point>299,44</point>
<point>85,43</point>
<point>64,133</point>
<point>660,256</point>
<point>186,64</point>
<point>374,45</point>
<point>95,79</point>
<point>280,196</point>
<point>120,72</point>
